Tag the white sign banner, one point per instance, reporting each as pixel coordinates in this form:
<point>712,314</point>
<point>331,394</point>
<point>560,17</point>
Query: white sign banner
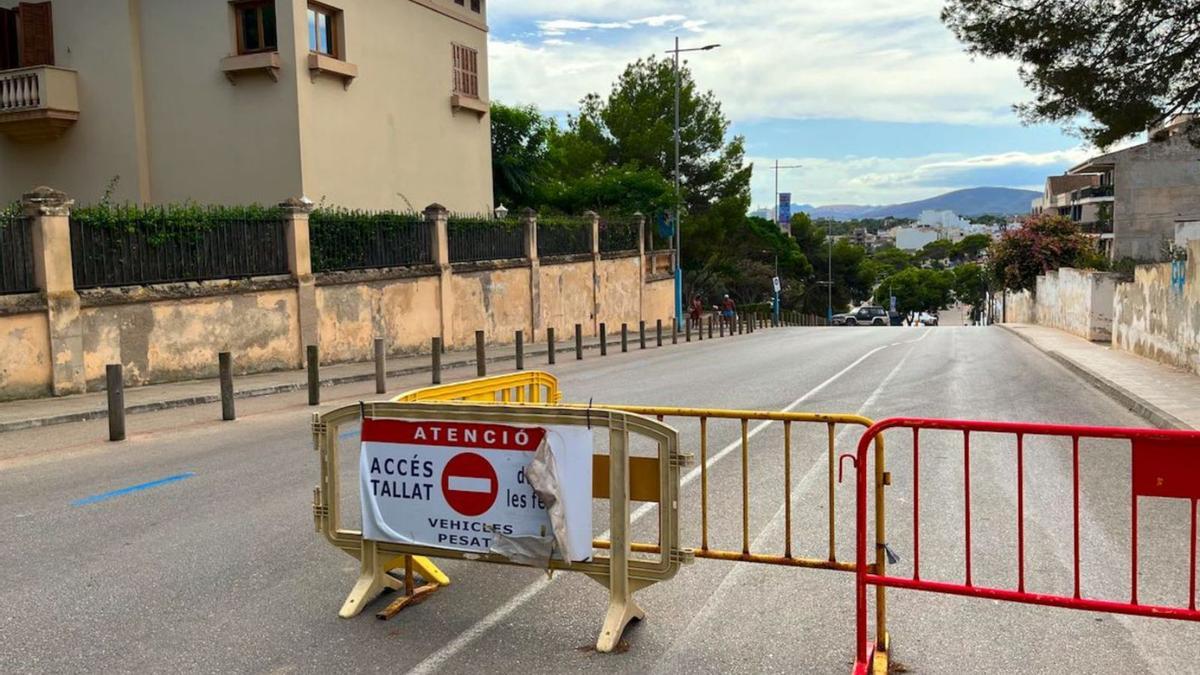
<point>456,485</point>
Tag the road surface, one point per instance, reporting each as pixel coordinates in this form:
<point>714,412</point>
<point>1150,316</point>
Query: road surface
<point>217,568</point>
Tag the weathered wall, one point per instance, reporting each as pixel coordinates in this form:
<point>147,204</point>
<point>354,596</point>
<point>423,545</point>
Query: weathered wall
<point>1154,183</point>
<point>353,313</point>
<point>1158,314</point>
<point>660,301</point>
<point>1077,301</point>
<point>567,296</point>
<point>24,355</point>
<point>494,301</point>
<point>160,340</point>
<point>1020,308</point>
<point>619,296</point>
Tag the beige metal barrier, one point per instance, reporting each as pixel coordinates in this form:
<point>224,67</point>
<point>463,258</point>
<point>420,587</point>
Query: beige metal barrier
<point>621,574</point>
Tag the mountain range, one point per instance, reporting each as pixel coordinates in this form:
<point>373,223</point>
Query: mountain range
<point>980,201</point>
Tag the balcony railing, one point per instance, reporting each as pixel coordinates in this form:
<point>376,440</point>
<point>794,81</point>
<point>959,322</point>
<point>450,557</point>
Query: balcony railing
<point>1092,192</point>
<point>38,103</point>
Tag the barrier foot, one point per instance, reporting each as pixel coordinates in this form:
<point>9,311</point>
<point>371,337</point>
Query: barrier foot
<point>879,657</point>
<point>373,578</point>
<point>620,613</point>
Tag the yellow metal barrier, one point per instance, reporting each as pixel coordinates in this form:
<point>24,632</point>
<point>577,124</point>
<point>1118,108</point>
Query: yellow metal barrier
<point>491,389</point>
<point>532,386</point>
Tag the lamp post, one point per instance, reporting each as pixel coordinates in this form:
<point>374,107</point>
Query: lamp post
<point>774,290</point>
<point>778,223</point>
<point>678,200</point>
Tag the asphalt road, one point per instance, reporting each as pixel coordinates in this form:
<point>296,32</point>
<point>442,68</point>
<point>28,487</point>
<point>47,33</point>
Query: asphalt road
<point>218,569</point>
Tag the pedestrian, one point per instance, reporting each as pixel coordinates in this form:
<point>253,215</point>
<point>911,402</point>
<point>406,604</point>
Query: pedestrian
<point>728,310</point>
<point>696,310</point>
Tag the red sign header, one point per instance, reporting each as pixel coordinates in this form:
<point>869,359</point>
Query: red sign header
<point>453,434</point>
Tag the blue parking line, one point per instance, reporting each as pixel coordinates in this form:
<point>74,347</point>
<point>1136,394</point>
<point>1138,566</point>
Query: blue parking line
<point>132,488</point>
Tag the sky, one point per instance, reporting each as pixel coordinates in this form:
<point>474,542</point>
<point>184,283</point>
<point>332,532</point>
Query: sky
<point>874,98</point>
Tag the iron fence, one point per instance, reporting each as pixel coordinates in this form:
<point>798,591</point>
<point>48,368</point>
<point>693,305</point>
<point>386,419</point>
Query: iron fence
<point>16,255</point>
<point>479,238</point>
<point>564,236</point>
<point>618,235</point>
<point>133,246</point>
<point>350,240</point>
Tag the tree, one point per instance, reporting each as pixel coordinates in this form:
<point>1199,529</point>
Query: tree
<point>520,152</point>
<point>970,287</point>
<point>1043,243</point>
<point>917,290</point>
<point>1128,64</point>
<point>936,251</point>
<point>971,247</point>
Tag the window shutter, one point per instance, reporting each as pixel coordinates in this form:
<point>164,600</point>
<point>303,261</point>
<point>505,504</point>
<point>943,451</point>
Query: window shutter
<point>37,34</point>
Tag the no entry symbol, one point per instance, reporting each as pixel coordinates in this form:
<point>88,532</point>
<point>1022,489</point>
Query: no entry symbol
<point>469,484</point>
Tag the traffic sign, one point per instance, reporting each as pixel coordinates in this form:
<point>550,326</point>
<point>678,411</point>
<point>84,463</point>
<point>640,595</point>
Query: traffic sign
<point>776,284</point>
<point>463,485</point>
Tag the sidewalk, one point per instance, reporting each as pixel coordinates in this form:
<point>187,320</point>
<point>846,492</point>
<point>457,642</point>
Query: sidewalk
<point>39,412</point>
<point>1167,397</point>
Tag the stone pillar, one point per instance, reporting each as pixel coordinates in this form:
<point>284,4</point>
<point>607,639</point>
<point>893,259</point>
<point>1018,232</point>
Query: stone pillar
<point>536,318</point>
<point>640,221</point>
<point>437,217</point>
<point>49,212</point>
<point>299,252</point>
<point>595,269</point>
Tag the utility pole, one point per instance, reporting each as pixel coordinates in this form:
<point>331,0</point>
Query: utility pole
<point>829,307</point>
<point>678,198</point>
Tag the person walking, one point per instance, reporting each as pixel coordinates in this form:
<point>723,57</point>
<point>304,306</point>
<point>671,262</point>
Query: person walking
<point>728,311</point>
<point>695,311</point>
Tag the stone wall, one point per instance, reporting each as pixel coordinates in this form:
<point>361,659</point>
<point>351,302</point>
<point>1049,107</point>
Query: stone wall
<point>24,354</point>
<point>1157,315</point>
<point>1020,308</point>
<point>1077,301</point>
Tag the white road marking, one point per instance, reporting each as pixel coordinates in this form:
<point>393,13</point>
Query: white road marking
<point>434,661</point>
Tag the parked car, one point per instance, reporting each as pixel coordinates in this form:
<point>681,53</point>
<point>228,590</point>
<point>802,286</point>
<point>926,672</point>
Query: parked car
<point>868,315</point>
<point>927,319</point>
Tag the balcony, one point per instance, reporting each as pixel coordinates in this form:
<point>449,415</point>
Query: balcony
<point>38,103</point>
<point>1093,192</point>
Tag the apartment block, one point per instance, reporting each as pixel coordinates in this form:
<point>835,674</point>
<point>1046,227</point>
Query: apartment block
<point>375,104</point>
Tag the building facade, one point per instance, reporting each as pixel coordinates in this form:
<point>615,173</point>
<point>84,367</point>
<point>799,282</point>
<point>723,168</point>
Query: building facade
<point>1132,199</point>
<point>356,103</point>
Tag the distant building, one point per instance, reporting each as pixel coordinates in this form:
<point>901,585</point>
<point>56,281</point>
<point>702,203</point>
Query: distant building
<point>943,219</point>
<point>765,214</point>
<point>1131,199</point>
<point>915,238</point>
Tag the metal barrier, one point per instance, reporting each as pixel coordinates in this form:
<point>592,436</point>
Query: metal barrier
<point>532,386</point>
<point>489,389</point>
<point>623,478</point>
<point>1165,464</point>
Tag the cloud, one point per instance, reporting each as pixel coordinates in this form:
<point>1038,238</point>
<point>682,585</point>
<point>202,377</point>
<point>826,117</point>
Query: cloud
<point>886,180</point>
<point>868,59</point>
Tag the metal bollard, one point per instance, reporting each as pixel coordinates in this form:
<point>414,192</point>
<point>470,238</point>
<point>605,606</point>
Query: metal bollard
<point>603,340</point>
<point>480,354</point>
<point>674,332</point>
<point>624,337</point>
<point>115,384</point>
<point>721,327</point>
<point>578,342</point>
<point>658,331</point>
<point>550,346</point>
<point>710,326</point>
<point>314,375</point>
<point>225,366</point>
<point>687,329</point>
<point>436,346</point>
<point>380,368</point>
<point>642,334</point>
<point>749,323</point>
<point>520,347</point>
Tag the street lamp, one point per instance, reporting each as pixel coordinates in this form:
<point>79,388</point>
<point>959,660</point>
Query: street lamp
<point>678,201</point>
<point>774,288</point>
<point>829,306</point>
<point>776,208</point>
<point>501,212</point>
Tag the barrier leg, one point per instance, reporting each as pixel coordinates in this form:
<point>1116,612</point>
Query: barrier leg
<point>621,607</point>
<point>373,578</point>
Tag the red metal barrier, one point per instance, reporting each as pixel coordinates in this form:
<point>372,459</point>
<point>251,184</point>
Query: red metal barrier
<point>1164,464</point>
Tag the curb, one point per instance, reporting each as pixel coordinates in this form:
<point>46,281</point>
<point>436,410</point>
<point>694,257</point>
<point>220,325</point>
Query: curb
<point>1136,404</point>
<point>188,401</point>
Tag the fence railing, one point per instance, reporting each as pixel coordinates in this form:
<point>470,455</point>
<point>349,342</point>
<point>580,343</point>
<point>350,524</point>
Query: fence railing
<point>16,255</point>
<point>144,246</point>
<point>351,240</point>
<point>618,235</point>
<point>563,236</point>
<point>479,238</point>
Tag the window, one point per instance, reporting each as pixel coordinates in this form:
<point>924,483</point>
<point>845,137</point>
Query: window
<point>475,5</point>
<point>26,36</point>
<point>256,26</point>
<point>323,30</point>
<point>466,71</point>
